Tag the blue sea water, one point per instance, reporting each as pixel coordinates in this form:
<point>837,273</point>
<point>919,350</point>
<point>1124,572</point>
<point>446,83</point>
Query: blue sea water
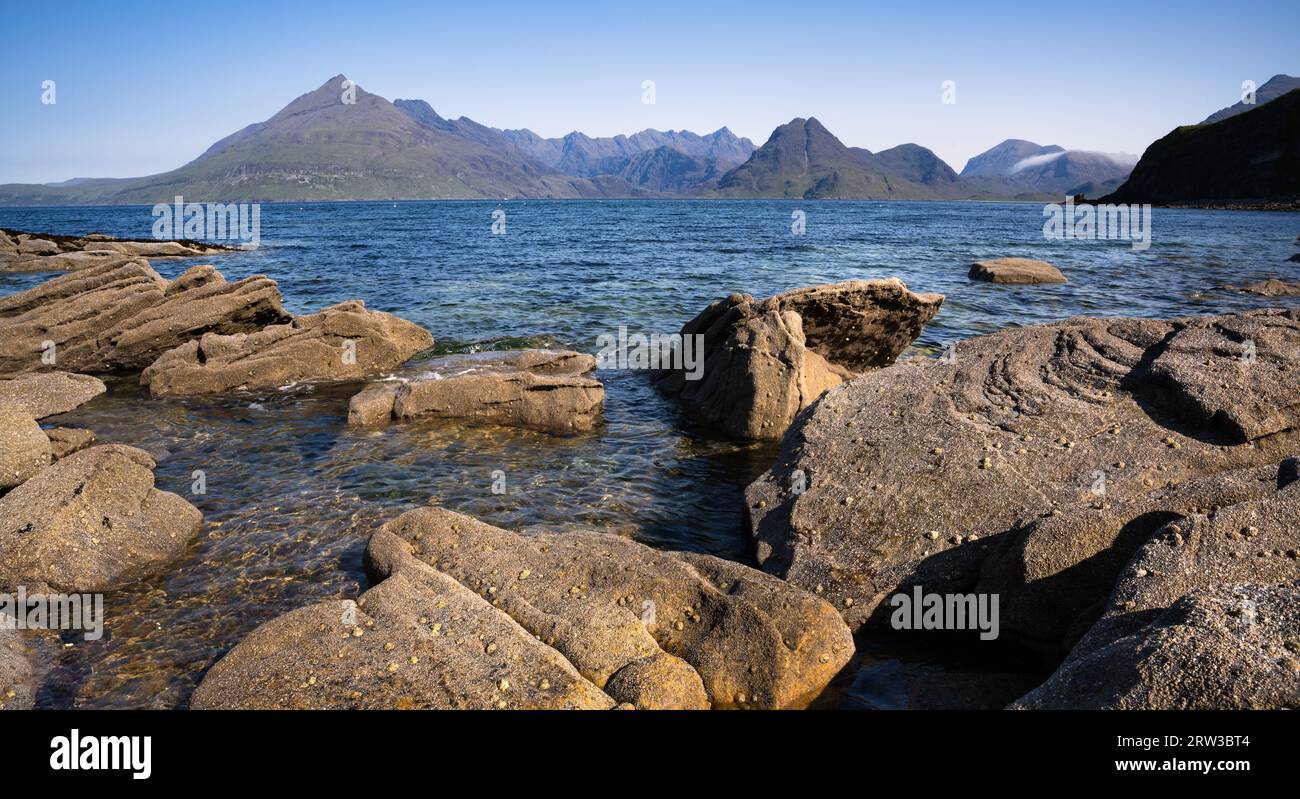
<point>292,493</point>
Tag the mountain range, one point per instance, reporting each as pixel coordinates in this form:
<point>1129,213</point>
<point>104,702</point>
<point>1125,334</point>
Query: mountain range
<point>320,147</point>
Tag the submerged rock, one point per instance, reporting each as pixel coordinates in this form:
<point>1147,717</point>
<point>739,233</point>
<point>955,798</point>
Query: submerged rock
<point>1272,287</point>
<point>882,483</point>
<point>90,522</point>
<point>537,389</point>
<point>342,342</point>
<point>682,622</point>
<point>124,315</point>
<point>1016,271</point>
<point>764,361</point>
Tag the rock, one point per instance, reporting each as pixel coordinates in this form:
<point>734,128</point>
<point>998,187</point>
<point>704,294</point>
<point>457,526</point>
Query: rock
<point>200,301</point>
<point>119,316</point>
<point>1222,647</point>
<point>1271,287</point>
<point>1054,575</point>
<point>90,522</point>
<point>28,245</point>
<point>66,440</point>
<point>1036,417</point>
<point>1198,619</point>
<point>764,361</point>
<point>50,393</point>
<point>537,389</point>
<point>1015,271</point>
<point>342,342</point>
<point>417,640</point>
<point>1295,258</point>
<point>607,604</point>
<point>47,252</point>
<point>17,675</point>
<point>24,448</point>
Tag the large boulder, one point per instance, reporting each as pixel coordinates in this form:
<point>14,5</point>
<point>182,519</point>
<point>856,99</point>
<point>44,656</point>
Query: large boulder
<point>764,361</point>
<point>472,616</point>
<point>50,393</point>
<point>90,522</point>
<point>24,447</point>
<point>688,626</point>
<point>123,315</point>
<point>417,640</point>
<point>538,389</point>
<point>1205,616</point>
<point>1015,271</point>
<point>913,474</point>
<point>342,342</point>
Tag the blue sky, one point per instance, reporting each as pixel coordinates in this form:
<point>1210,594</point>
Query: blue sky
<point>145,87</point>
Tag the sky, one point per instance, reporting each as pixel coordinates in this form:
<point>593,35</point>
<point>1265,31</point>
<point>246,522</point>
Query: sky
<point>141,88</point>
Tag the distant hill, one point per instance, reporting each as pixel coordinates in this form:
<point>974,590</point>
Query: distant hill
<point>1020,168</point>
<point>1273,88</point>
<point>1001,159</point>
<point>1248,157</point>
<point>803,159</point>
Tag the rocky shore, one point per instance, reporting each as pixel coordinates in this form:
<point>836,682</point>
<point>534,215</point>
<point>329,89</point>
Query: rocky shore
<point>45,252</point>
<point>1126,488</point>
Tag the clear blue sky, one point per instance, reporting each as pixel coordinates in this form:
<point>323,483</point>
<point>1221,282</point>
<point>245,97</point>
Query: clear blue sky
<point>145,87</point>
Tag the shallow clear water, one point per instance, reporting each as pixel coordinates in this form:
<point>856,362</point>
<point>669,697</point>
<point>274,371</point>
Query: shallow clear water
<point>293,494</point>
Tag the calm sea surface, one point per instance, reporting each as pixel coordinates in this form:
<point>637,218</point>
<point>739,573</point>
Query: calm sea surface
<point>293,494</point>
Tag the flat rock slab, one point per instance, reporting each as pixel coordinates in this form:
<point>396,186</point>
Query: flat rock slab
<point>1015,271</point>
<point>765,361</point>
<point>123,315</point>
<point>654,629</point>
<point>911,474</point>
<point>537,389</point>
<point>342,342</point>
<point>90,522</point>
<point>50,393</point>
